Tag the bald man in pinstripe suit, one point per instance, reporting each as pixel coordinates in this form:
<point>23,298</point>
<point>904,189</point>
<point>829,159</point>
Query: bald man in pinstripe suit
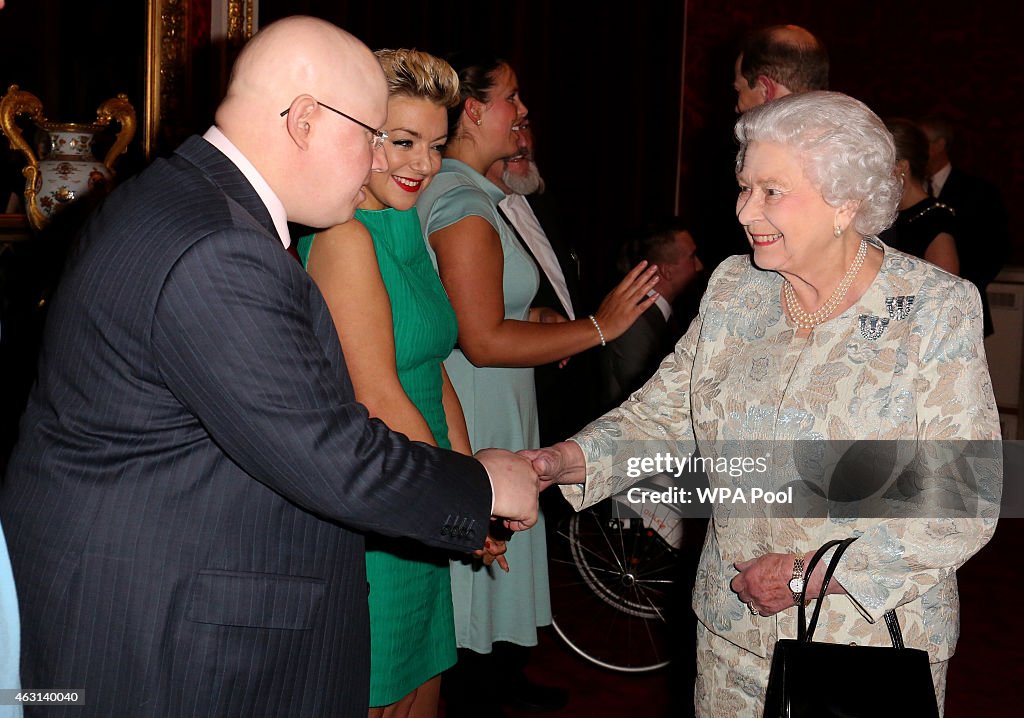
<point>185,503</point>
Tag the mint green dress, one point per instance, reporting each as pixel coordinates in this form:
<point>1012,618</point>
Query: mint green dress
<point>412,635</point>
<point>500,404</point>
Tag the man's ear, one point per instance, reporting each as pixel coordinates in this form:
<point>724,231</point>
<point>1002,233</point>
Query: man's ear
<point>767,88</point>
<point>665,270</point>
<point>300,114</point>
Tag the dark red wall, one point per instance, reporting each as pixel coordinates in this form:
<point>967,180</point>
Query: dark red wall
<point>603,88</point>
<point>603,84</point>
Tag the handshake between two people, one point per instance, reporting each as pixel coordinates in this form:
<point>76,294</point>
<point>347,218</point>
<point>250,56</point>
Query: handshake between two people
<point>518,478</point>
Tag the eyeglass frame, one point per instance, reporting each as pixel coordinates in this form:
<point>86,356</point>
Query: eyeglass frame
<point>378,136</point>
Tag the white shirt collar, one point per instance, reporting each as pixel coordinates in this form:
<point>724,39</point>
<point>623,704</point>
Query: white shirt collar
<point>939,179</point>
<point>270,200</point>
<point>661,303</point>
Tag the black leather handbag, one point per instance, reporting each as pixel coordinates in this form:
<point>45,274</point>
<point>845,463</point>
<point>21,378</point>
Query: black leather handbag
<point>833,680</point>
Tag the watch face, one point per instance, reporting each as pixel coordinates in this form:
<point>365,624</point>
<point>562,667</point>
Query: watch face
<point>796,585</point>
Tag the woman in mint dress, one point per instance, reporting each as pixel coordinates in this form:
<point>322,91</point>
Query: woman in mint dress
<point>491,281</point>
<point>396,327</point>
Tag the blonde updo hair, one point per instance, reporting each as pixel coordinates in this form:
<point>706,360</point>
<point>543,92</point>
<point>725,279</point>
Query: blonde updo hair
<point>847,152</point>
<point>412,73</point>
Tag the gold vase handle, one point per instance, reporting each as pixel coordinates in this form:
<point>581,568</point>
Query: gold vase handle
<point>120,110</point>
<point>14,104</point>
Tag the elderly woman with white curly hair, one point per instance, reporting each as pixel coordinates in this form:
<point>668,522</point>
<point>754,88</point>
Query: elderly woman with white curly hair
<point>823,336</point>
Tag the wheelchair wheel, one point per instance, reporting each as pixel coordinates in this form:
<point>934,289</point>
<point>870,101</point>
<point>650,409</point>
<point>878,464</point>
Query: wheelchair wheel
<point>612,577</point>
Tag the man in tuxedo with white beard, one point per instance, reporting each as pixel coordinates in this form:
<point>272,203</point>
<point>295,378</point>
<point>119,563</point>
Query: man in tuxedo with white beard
<point>563,390</point>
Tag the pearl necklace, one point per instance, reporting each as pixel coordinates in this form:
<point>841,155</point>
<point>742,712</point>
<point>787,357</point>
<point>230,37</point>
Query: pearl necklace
<point>806,320</point>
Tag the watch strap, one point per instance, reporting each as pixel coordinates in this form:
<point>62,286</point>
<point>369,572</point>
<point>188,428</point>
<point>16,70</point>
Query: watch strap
<point>798,573</point>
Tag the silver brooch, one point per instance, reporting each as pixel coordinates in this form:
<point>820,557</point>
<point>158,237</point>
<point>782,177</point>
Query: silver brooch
<point>872,327</point>
<point>899,307</point>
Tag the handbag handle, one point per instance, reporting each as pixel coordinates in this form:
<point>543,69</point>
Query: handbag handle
<point>805,632</point>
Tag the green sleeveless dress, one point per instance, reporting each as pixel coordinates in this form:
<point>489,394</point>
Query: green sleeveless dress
<point>412,634</point>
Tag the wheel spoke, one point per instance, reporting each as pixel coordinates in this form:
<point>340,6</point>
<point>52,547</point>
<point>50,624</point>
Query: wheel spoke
<point>607,541</point>
<point>598,556</point>
<point>653,607</point>
<point>623,579</point>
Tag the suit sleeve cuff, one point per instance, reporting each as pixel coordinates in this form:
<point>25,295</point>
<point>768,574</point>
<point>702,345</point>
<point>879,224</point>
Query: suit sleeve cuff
<point>491,481</point>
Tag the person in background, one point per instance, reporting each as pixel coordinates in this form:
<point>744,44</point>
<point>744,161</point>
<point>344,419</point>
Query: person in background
<point>629,361</point>
<point>777,61</point>
<point>824,337</point>
<point>491,282</point>
<point>771,62</point>
<point>983,229</point>
<point>924,226</point>
<point>397,327</point>
<point>563,389</point>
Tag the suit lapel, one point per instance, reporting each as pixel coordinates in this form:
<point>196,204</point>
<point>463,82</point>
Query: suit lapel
<point>949,191</point>
<point>545,295</point>
<point>655,318</point>
<point>227,178</point>
<point>564,253</point>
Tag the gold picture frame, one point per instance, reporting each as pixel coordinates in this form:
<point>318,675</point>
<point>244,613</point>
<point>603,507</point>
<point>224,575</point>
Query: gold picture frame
<point>170,39</point>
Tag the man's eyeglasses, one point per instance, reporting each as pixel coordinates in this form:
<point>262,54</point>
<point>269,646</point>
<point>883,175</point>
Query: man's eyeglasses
<point>377,136</point>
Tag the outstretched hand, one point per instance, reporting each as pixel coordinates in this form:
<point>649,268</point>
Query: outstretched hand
<point>628,300</point>
<point>561,463</point>
<point>515,487</point>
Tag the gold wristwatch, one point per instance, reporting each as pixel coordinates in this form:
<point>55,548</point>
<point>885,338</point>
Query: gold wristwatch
<point>796,583</point>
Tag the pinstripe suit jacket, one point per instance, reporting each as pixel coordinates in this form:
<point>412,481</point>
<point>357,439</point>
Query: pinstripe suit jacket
<point>183,504</point>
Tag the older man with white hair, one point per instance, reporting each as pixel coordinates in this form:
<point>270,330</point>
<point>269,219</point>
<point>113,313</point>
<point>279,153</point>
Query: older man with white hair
<point>563,390</point>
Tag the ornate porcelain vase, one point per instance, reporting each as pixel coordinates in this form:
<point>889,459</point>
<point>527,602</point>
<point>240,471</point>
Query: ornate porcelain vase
<point>64,168</point>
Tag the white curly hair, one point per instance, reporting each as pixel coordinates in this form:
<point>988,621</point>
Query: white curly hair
<point>846,151</point>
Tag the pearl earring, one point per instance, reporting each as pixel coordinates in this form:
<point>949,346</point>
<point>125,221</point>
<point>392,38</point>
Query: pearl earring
<point>478,123</point>
<point>838,232</point>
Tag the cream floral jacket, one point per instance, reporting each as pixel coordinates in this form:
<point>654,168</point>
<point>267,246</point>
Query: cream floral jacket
<point>906,362</point>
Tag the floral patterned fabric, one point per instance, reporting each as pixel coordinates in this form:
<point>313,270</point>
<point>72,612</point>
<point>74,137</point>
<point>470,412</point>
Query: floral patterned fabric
<point>905,362</point>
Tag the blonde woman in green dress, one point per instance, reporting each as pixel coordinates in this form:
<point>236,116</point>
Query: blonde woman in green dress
<point>397,326</point>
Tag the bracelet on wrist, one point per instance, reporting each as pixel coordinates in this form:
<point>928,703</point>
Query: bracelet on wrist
<point>598,328</point>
